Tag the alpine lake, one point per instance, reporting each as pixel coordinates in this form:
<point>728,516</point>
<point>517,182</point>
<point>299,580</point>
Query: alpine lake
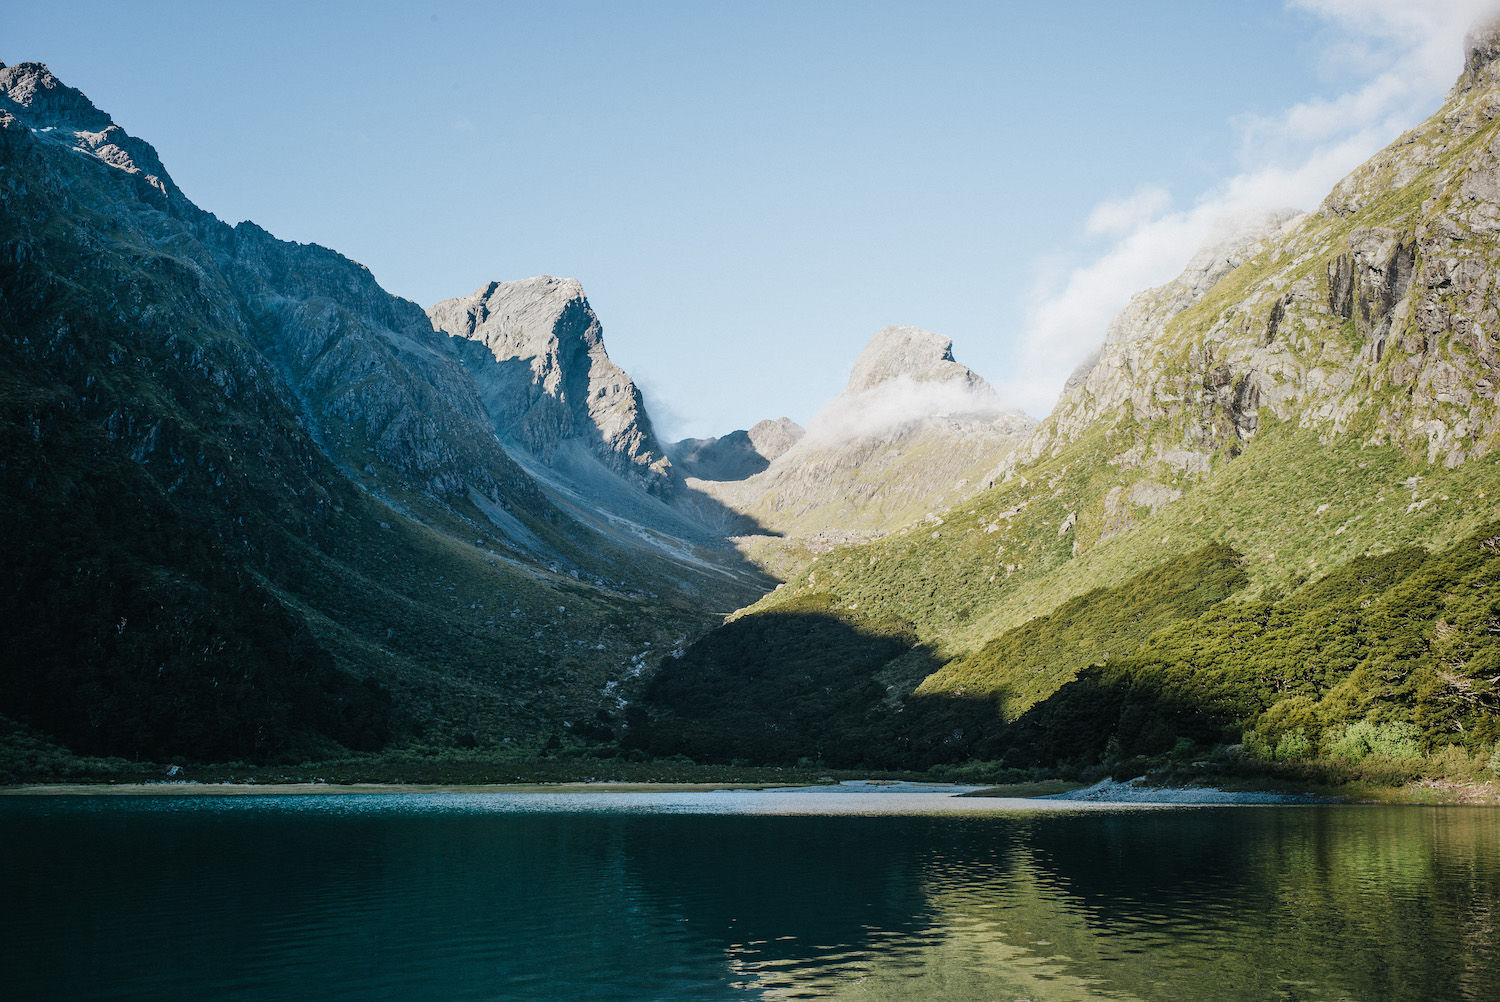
<point>853,892</point>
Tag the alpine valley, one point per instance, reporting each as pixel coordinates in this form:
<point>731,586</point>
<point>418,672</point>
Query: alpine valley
<point>254,508</point>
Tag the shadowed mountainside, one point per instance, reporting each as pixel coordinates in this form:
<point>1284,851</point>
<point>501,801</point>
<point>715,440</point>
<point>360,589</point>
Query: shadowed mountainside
<point>256,507</point>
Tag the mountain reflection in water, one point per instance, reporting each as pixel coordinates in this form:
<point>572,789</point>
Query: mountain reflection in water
<point>709,896</point>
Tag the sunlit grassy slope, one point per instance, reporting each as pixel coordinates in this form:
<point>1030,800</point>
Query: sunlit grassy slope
<point>1294,505</point>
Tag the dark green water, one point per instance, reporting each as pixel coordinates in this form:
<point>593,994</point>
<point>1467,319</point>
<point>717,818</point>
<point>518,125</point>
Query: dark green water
<point>691,897</point>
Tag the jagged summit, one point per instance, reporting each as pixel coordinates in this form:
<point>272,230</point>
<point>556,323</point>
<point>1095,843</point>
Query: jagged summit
<point>903,350</point>
<point>46,100</point>
<point>1481,50</point>
<point>546,377</point>
<point>913,432</point>
<point>514,319</point>
<point>908,375</point>
<point>32,98</point>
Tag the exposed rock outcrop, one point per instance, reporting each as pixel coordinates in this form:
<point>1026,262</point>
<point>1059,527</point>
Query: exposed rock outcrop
<point>546,378</point>
<point>773,438</point>
<point>30,93</point>
<point>910,352</point>
<point>1376,315</point>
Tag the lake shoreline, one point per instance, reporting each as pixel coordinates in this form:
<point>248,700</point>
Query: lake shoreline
<point>191,789</point>
<point>1428,794</point>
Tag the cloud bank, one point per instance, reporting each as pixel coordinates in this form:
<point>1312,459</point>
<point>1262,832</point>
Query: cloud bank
<point>1403,56</point>
<point>897,402</point>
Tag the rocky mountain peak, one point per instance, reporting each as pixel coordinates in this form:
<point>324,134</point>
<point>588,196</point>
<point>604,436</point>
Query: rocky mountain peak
<point>1481,51</point>
<point>773,438</point>
<point>1482,43</point>
<point>546,377</point>
<point>32,98</point>
<point>30,91</point>
<point>737,455</point>
<point>903,350</point>
<point>519,319</point>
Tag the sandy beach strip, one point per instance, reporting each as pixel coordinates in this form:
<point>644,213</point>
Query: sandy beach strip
<point>315,789</point>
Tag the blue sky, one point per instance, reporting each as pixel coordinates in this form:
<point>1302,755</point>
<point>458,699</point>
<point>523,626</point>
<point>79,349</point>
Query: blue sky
<point>749,191</point>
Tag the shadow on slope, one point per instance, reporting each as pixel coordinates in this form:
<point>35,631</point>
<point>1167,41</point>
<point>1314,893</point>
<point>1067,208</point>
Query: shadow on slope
<point>652,515</point>
<point>807,679</point>
<point>131,629</point>
<point>1393,655</point>
<point>804,684</point>
<point>729,457</point>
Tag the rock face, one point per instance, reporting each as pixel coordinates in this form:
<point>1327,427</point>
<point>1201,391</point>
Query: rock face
<point>1376,315</point>
<point>913,431</point>
<point>29,92</point>
<point>376,383</point>
<point>773,438</point>
<point>910,352</point>
<point>547,379</point>
<point>735,456</point>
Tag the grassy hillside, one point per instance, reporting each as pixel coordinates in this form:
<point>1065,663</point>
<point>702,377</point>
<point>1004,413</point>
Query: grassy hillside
<point>1395,656</point>
<point>1292,504</point>
<point>808,680</point>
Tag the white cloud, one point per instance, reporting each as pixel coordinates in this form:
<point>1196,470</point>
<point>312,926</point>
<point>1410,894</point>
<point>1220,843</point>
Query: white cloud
<point>1126,214</point>
<point>669,423</point>
<point>896,402</point>
<point>1402,56</point>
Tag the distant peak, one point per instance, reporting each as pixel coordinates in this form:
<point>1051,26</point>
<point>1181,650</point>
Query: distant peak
<point>1482,43</point>
<point>31,97</point>
<point>1481,55</point>
<point>537,287</point>
<point>773,438</point>
<point>43,100</point>
<point>903,350</point>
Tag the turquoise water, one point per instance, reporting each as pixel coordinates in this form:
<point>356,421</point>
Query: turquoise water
<point>741,895</point>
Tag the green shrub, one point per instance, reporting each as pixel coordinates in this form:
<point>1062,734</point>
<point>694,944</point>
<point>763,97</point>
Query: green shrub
<point>1394,739</point>
<point>1257,747</point>
<point>1494,766</point>
<point>1293,745</point>
<point>1184,748</point>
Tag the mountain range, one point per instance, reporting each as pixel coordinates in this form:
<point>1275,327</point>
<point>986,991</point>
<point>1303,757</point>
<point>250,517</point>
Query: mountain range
<point>257,508</point>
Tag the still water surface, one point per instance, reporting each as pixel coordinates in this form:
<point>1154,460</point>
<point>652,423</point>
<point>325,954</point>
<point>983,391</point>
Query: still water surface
<point>741,895</point>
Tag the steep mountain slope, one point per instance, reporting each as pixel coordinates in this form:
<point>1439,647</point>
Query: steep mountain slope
<point>1322,390</point>
<point>565,388</point>
<point>253,504</point>
<point>576,423</point>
